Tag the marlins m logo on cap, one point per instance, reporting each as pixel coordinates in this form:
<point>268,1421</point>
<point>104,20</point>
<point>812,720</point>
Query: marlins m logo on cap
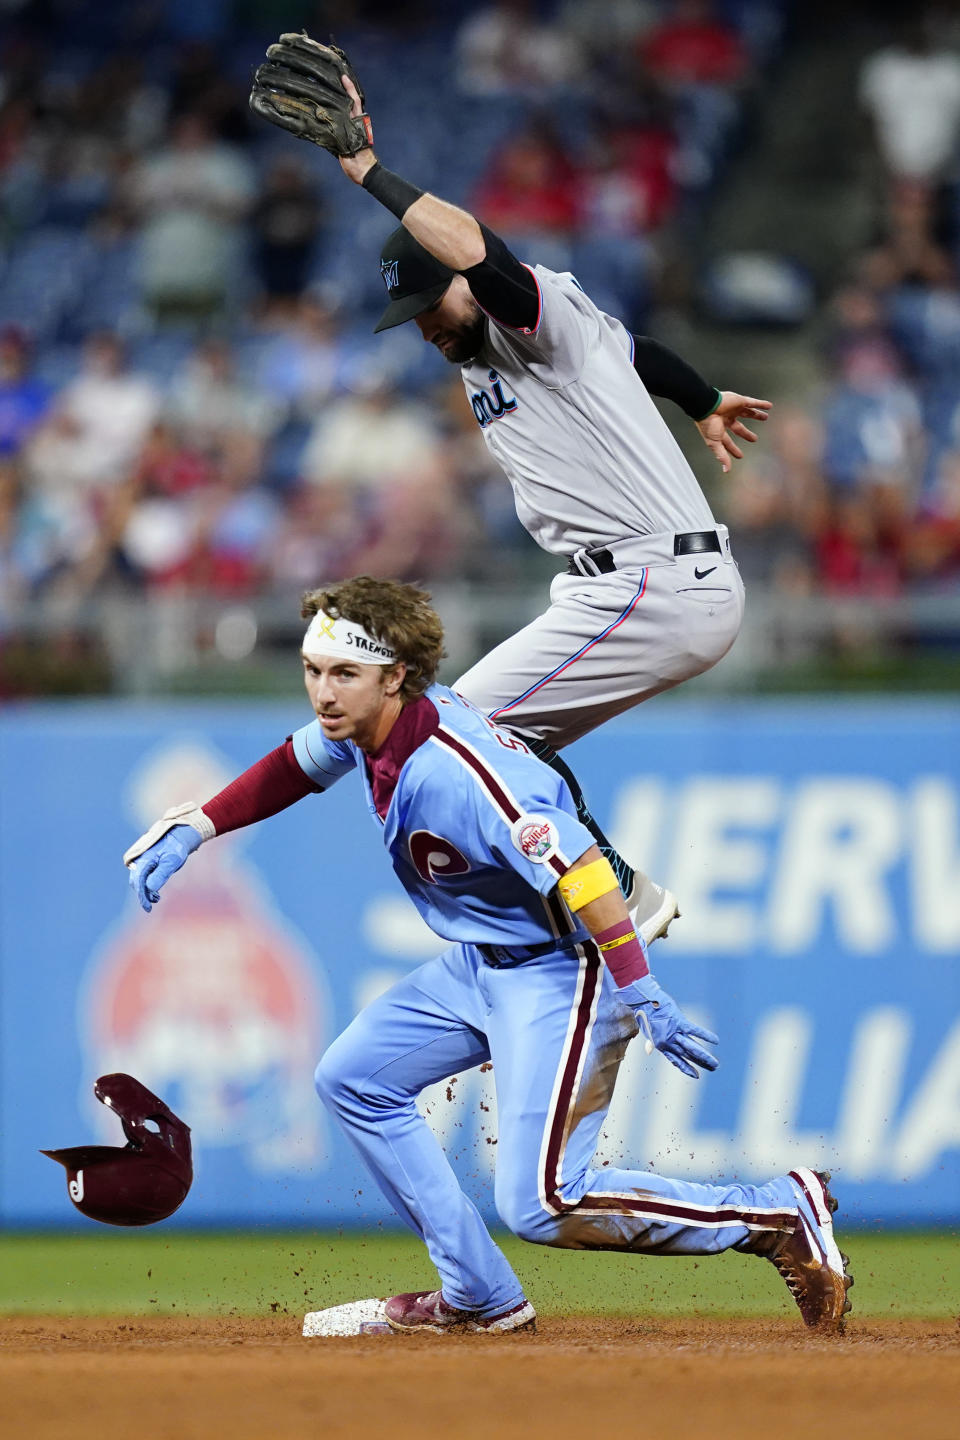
<point>424,279</point>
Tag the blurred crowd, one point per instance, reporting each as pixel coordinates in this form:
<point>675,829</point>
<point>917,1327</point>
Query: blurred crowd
<point>861,496</point>
<point>191,397</point>
<point>234,486</point>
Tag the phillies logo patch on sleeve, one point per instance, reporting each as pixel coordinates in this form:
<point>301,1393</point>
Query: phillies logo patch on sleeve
<point>536,837</point>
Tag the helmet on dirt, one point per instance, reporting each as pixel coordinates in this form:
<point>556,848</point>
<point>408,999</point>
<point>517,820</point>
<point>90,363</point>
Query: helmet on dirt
<point>142,1181</point>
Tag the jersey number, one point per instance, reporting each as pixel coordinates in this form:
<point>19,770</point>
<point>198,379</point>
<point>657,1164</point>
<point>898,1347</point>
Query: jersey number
<point>502,737</point>
<point>509,742</point>
<point>435,857</point>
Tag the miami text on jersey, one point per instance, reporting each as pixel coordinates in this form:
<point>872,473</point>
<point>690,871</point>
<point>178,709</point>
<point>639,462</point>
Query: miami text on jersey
<point>490,404</point>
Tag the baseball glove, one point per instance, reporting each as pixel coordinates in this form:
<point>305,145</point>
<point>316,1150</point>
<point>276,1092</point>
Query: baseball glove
<point>298,88</point>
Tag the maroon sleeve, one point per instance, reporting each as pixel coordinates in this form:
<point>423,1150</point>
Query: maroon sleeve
<point>271,785</point>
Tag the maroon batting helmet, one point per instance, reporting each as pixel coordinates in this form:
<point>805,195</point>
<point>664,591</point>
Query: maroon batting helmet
<point>142,1181</point>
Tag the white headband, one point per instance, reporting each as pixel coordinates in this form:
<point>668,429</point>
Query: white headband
<point>343,640</point>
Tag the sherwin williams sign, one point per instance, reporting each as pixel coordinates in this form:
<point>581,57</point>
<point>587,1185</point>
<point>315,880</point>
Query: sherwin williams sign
<point>815,850</point>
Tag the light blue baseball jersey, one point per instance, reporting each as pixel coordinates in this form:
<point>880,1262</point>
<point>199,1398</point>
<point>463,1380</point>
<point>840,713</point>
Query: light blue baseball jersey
<point>478,830</point>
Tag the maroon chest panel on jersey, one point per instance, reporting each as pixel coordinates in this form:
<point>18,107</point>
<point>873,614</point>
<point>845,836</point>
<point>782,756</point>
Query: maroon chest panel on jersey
<point>416,723</point>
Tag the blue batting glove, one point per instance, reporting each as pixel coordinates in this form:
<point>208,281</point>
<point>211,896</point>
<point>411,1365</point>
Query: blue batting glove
<point>667,1028</point>
<point>151,870</point>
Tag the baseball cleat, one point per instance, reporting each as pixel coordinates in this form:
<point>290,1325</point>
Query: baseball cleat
<point>427,1310</point>
<point>808,1257</point>
<point>652,908</point>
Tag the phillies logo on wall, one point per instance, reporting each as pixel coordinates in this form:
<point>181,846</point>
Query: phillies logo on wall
<point>536,837</point>
<point>214,999</point>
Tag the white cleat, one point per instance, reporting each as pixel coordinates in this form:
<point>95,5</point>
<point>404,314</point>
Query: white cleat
<point>652,908</point>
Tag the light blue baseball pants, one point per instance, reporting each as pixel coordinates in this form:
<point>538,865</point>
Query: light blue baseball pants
<point>556,1034</point>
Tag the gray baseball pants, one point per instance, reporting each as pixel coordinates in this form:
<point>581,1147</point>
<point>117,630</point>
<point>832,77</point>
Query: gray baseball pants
<point>607,642</point>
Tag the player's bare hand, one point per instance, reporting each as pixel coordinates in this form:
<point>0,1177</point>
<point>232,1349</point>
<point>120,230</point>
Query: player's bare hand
<point>726,426</point>
<point>355,166</point>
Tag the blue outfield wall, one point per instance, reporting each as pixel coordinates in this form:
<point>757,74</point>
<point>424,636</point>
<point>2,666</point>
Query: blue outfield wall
<point>815,848</point>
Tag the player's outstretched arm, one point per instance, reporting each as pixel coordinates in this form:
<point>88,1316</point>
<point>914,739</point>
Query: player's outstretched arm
<point>665,374</point>
<point>590,891</point>
<point>267,787</point>
<point>452,235</point>
<point>719,415</point>
<point>313,91</point>
<point>498,280</point>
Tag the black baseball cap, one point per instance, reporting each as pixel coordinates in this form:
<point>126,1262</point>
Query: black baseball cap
<point>414,279</point>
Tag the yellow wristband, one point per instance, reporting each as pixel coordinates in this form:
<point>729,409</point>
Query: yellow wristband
<point>630,939</point>
<point>579,887</point>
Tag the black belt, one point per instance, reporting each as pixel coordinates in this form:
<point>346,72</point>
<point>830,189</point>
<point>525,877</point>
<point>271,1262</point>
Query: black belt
<point>694,542</point>
<point>502,957</point>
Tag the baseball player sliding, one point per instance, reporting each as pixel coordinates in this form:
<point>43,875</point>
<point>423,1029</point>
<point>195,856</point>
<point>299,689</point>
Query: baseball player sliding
<point>544,975</point>
<point>561,392</point>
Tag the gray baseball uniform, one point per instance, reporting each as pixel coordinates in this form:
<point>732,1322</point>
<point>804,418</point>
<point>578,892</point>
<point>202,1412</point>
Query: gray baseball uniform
<point>594,468</point>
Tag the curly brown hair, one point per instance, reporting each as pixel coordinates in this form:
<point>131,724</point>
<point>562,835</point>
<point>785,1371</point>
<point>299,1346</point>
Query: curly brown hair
<point>399,615</point>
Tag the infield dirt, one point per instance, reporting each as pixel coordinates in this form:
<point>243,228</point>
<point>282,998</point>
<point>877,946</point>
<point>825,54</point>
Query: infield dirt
<point>257,1379</point>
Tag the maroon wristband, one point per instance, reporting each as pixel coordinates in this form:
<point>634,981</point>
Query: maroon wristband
<point>623,952</point>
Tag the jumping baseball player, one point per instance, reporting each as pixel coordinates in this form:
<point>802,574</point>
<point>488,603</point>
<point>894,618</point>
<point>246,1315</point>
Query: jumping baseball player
<point>561,392</point>
<point>545,976</point>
